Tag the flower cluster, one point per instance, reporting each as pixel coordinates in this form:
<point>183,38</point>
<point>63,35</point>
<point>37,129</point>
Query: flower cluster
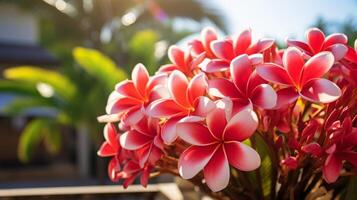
<point>201,116</point>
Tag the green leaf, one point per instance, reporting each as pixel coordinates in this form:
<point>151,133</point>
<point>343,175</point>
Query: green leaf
<point>99,66</point>
<point>21,105</point>
<point>32,135</point>
<point>35,75</point>
<point>53,140</point>
<point>266,164</point>
<point>19,88</point>
<point>352,189</point>
<point>142,49</point>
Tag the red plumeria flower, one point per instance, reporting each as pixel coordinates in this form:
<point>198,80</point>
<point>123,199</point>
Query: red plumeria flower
<point>227,49</point>
<point>144,139</point>
<point>218,144</point>
<point>246,84</point>
<point>187,98</point>
<point>349,65</point>
<point>317,42</point>
<point>301,78</point>
<point>132,169</point>
<point>203,45</point>
<point>182,61</point>
<point>343,141</point>
<point>130,97</point>
<point>111,148</point>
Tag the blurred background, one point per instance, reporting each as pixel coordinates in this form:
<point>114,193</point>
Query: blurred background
<point>60,59</point>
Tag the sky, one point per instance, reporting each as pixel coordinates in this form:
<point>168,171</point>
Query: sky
<point>282,18</point>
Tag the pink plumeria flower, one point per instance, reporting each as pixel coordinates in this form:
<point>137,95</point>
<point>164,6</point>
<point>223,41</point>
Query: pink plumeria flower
<point>203,45</point>
<point>187,98</point>
<point>301,78</point>
<point>246,83</point>
<point>182,60</point>
<point>130,97</point>
<point>227,49</point>
<point>145,140</point>
<point>111,148</point>
<point>317,42</point>
<point>217,144</point>
<point>132,169</point>
<point>343,141</point>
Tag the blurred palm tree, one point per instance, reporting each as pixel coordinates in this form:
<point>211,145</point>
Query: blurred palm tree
<point>75,98</point>
<point>107,25</point>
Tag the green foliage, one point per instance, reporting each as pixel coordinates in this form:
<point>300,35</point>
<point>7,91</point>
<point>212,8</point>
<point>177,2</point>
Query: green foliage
<point>35,75</point>
<point>142,48</point>
<point>266,167</point>
<point>352,189</point>
<point>99,66</point>
<point>21,105</point>
<point>31,137</point>
<point>18,87</point>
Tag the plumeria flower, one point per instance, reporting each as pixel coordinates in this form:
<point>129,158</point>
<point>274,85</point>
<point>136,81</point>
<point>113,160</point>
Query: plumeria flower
<point>182,60</point>
<point>111,148</point>
<point>227,49</point>
<point>301,78</point>
<point>203,45</point>
<point>187,98</point>
<point>132,169</point>
<point>317,42</point>
<point>144,139</point>
<point>217,144</point>
<point>130,97</point>
<point>246,84</point>
<point>342,141</point>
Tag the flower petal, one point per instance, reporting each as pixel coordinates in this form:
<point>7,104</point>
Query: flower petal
<point>300,45</point>
<point>194,133</point>
<point>120,104</point>
<point>335,38</point>
<point>176,55</point>
<point>274,73</point>
<point>242,42</point>
<point>164,108</point>
<point>197,87</point>
<point>315,38</point>
<point>203,106</point>
<point>332,168</point>
<point>106,150</point>
<point>111,135</point>
<point>216,172</point>
<point>127,88</point>
<point>223,49</point>
<point>293,62</point>
<point>178,84</point>
<point>241,126</point>
<point>140,77</point>
<point>214,65</point>
<point>133,140</point>
<point>194,159</point>
<point>241,69</point>
<point>207,36</point>
<point>221,87</point>
<point>285,97</point>
<point>134,115</point>
<point>241,156</point>
<point>168,131</point>
<point>320,90</point>
<point>216,121</point>
<point>196,47</point>
<point>316,66</point>
<point>264,96</point>
<point>338,50</point>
